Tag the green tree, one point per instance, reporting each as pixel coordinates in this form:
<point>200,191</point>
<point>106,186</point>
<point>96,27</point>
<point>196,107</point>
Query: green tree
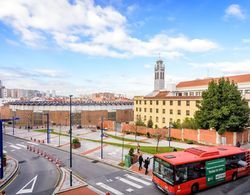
<point>139,122</point>
<point>177,124</point>
<point>150,123</point>
<point>189,123</point>
<point>222,108</point>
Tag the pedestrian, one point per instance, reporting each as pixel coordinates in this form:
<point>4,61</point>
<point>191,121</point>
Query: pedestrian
<point>138,148</point>
<point>238,144</point>
<point>140,162</point>
<point>146,163</point>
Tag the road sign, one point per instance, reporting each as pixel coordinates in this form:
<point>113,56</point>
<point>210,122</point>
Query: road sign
<point>215,171</point>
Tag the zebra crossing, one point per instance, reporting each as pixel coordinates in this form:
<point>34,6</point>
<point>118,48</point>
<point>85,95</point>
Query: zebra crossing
<point>124,184</point>
<point>13,147</point>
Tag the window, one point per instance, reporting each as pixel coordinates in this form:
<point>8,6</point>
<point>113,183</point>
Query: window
<point>236,161</point>
<point>179,112</point>
<point>157,102</point>
<point>187,103</point>
<point>136,109</point>
<point>163,170</point>
<point>150,117</point>
<point>170,120</point>
<point>136,102</point>
<point>150,110</point>
<point>145,118</point>
<point>163,111</point>
<point>140,102</point>
<point>171,111</point>
<point>197,102</point>
<point>163,120</point>
<point>157,119</point>
<point>164,102</point>
<point>171,102</point>
<point>140,109</point>
<point>150,102</point>
<point>157,110</point>
<point>179,102</point>
<point>145,109</point>
<point>145,102</point>
<point>187,112</point>
<point>186,93</point>
<point>191,93</point>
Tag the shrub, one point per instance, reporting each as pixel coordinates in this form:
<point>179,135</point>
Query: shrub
<point>190,142</point>
<point>148,134</point>
<point>131,152</point>
<point>75,141</point>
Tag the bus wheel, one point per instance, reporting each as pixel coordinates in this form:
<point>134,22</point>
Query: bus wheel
<point>234,177</point>
<point>195,188</point>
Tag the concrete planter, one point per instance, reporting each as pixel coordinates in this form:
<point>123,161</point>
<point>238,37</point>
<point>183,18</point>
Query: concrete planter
<point>76,145</point>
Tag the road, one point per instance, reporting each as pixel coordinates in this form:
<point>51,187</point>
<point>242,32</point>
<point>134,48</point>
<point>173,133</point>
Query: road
<point>36,174</point>
<point>108,178</point>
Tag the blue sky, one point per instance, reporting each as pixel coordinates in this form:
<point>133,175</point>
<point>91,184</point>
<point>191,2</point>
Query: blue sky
<point>79,47</point>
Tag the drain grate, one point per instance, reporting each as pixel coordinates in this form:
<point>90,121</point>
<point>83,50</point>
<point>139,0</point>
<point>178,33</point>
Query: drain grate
<point>95,161</point>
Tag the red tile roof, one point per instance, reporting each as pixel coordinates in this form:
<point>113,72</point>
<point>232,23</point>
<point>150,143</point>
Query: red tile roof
<point>203,82</point>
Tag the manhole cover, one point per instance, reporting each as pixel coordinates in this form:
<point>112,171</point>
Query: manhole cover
<point>95,161</point>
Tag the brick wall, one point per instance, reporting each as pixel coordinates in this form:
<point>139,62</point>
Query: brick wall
<point>202,136</point>
<point>92,118</point>
<point>124,115</point>
<point>5,112</point>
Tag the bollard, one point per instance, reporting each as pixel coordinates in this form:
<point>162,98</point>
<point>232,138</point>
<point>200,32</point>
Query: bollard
<point>28,147</point>
<point>107,193</point>
<point>31,138</point>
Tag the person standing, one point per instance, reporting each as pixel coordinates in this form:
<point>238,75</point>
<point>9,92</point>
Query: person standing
<point>238,144</point>
<point>138,148</point>
<point>140,162</point>
<point>146,163</point>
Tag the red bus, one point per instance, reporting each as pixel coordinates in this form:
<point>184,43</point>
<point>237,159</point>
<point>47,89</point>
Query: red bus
<point>194,169</point>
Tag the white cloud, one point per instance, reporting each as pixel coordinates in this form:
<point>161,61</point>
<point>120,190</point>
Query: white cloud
<point>90,29</point>
<point>228,67</point>
<point>234,10</point>
<point>246,40</point>
<point>147,66</point>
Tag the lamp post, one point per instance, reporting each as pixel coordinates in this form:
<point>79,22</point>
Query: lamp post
<point>70,134</point>
<point>48,133</point>
<point>169,133</point>
<point>60,135</point>
<point>122,145</point>
<point>102,138</point>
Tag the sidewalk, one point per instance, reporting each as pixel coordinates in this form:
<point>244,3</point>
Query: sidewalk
<point>78,186</point>
<point>9,170</point>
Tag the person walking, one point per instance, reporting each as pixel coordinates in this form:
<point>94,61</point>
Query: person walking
<point>146,163</point>
<point>238,144</point>
<point>138,148</point>
<point>140,162</point>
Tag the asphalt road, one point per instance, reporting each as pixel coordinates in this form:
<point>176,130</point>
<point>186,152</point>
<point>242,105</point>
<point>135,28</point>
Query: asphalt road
<point>40,175</point>
<point>108,178</point>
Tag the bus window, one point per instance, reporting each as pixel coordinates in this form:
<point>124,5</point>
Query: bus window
<point>181,174</point>
<point>164,170</point>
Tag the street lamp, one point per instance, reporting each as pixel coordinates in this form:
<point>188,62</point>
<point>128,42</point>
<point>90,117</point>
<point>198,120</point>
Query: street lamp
<point>102,138</point>
<point>169,133</point>
<point>48,132</point>
<point>70,134</point>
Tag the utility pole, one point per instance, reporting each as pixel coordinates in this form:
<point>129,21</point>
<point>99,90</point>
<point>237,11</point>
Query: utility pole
<point>70,134</point>
<point>13,124</point>
<point>102,138</point>
<point>122,146</point>
<point>169,134</point>
<point>48,140</point>
<point>60,134</point>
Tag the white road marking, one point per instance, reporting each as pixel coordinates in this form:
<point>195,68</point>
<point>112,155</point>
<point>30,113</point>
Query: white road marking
<point>114,191</point>
<point>129,190</point>
<point>18,148</point>
<point>129,182</point>
<point>138,180</point>
<point>33,143</point>
<point>4,151</point>
<point>12,150</point>
<point>8,143</point>
<point>29,190</point>
<point>21,145</point>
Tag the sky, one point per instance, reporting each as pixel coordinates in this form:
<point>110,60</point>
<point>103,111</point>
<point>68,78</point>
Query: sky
<point>86,46</point>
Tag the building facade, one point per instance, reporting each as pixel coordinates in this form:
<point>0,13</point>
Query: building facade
<point>163,109</point>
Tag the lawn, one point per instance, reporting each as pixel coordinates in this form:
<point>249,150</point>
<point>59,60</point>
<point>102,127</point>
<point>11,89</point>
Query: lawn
<point>125,139</point>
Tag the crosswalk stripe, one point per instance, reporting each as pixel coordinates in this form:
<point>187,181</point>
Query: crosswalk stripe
<point>33,143</point>
<point>129,190</point>
<point>21,145</point>
<point>4,151</point>
<point>114,191</point>
<point>129,182</point>
<point>15,147</point>
<point>138,180</point>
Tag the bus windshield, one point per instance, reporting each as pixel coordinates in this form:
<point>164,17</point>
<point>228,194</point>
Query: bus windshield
<point>164,170</point>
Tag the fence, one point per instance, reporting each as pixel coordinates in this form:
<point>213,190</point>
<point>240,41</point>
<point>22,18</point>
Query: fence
<point>202,136</point>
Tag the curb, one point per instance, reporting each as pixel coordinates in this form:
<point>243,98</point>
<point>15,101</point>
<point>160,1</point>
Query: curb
<point>58,180</point>
<point>87,157</point>
<point>14,173</point>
